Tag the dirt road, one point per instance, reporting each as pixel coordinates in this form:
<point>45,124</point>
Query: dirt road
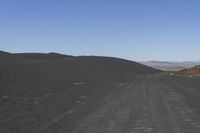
<point>146,105</point>
<point>153,103</point>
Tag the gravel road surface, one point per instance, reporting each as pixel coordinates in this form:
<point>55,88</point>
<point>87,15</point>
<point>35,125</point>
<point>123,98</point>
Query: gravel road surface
<point>153,103</point>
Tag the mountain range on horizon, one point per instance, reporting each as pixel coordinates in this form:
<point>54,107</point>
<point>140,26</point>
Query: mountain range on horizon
<point>171,65</point>
<point>160,65</point>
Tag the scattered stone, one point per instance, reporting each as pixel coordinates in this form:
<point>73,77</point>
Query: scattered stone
<point>144,129</point>
<point>187,120</point>
<point>47,95</point>
<point>69,112</point>
<point>77,101</point>
<point>79,83</point>
<point>36,102</point>
<point>171,74</point>
<point>6,96</point>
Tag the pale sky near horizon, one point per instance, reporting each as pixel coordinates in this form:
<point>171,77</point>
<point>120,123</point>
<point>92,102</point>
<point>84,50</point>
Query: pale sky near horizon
<point>140,30</point>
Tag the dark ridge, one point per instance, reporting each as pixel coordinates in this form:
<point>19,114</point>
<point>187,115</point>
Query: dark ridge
<point>55,66</point>
<point>51,55</point>
<point>4,53</point>
<point>10,59</point>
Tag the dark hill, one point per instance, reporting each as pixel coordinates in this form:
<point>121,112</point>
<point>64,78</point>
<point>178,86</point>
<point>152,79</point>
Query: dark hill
<point>8,59</point>
<point>56,66</point>
<point>36,88</point>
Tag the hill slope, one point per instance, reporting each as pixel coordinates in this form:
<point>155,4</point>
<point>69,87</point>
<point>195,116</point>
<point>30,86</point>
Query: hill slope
<point>37,88</point>
<point>193,72</point>
<point>56,66</point>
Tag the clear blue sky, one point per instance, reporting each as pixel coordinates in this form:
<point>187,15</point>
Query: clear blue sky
<point>131,29</point>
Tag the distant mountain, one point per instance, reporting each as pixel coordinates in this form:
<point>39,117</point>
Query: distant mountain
<point>170,66</point>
